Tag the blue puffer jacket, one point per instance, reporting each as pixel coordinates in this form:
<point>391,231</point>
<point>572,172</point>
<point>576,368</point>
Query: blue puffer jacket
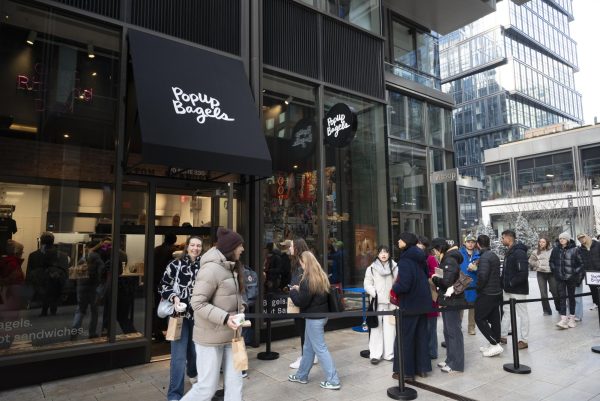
<point>470,295</point>
<point>566,264</point>
<point>412,285</point>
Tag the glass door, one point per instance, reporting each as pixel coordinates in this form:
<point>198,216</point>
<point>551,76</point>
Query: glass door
<point>179,214</point>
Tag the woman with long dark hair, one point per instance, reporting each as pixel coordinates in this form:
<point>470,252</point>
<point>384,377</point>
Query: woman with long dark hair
<point>176,286</point>
<point>539,261</point>
<point>311,296</point>
<point>217,298</point>
<point>450,260</point>
<point>379,278</point>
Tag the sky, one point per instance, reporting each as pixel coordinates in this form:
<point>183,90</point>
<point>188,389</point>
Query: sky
<point>585,30</point>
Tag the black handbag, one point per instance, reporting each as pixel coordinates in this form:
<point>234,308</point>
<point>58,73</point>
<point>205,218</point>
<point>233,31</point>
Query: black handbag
<point>372,321</point>
<point>334,300</point>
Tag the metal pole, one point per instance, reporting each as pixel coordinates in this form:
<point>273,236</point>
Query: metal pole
<point>515,367</point>
<point>268,355</point>
<point>401,392</point>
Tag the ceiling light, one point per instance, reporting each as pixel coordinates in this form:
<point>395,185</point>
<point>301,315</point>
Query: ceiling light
<point>295,166</point>
<point>550,175</point>
<point>15,193</point>
<point>31,37</point>
<point>288,100</point>
<point>94,74</point>
<point>91,51</point>
<point>67,135</point>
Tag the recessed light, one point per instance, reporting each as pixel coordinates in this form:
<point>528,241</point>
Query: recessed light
<point>91,51</point>
<point>94,74</point>
<point>31,37</point>
<point>66,135</point>
<point>295,166</point>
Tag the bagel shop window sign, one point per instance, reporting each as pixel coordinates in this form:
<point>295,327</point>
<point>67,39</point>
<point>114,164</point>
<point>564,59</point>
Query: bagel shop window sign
<point>340,124</point>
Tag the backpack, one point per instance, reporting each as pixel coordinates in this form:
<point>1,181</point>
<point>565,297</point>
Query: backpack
<point>251,285</point>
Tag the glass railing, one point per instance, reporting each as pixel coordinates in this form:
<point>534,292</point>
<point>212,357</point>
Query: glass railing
<point>411,74</point>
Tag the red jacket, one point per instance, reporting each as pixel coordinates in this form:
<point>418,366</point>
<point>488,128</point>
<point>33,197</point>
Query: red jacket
<point>10,271</point>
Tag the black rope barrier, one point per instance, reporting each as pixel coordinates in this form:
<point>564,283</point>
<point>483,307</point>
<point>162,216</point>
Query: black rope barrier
<point>401,392</point>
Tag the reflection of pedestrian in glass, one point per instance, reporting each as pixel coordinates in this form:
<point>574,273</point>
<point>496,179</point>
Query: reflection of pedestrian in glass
<point>273,268</point>
<point>163,254</point>
<point>86,289</point>
<point>337,265</point>
<point>47,271</point>
<point>125,289</point>
<point>176,286</point>
<point>12,279</point>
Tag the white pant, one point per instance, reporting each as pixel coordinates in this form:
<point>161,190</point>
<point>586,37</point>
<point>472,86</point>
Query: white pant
<point>381,342</point>
<point>208,363</point>
<point>522,317</point>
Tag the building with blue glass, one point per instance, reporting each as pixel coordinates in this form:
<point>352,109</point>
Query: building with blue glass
<point>508,72</point>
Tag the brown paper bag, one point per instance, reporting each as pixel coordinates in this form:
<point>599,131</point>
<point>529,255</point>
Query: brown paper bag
<point>174,328</point>
<point>240,357</point>
<point>433,289</point>
<point>291,307</point>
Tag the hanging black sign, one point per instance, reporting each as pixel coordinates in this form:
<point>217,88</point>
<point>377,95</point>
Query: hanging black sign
<point>339,125</point>
<point>303,139</point>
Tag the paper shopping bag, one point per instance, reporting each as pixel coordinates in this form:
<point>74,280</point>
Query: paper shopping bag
<point>240,357</point>
<point>174,328</point>
<point>291,307</point>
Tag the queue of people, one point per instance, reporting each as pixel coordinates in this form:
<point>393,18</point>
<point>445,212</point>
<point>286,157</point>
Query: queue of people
<point>426,276</point>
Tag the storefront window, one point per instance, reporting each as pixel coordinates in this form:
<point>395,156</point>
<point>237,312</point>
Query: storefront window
<point>291,195</point>
<point>545,174</point>
<point>590,163</point>
<point>356,193</point>
<point>57,127</point>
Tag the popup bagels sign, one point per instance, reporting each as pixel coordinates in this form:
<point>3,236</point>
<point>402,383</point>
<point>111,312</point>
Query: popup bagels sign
<point>339,125</point>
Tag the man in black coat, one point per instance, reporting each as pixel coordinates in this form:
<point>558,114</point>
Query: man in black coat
<point>489,297</point>
<point>515,282</point>
<point>590,257</point>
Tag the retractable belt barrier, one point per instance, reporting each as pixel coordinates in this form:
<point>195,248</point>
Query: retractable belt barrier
<point>401,392</point>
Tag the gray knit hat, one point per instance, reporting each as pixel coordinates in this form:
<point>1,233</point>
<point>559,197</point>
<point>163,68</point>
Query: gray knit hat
<point>565,235</point>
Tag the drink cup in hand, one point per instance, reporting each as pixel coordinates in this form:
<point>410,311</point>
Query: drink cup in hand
<point>239,319</point>
<point>180,307</point>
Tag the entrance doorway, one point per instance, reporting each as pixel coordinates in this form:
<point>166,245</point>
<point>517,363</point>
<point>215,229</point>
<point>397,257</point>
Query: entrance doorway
<point>417,223</point>
<point>184,212</point>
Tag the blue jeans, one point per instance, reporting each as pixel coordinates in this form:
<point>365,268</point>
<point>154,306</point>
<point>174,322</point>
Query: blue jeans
<point>183,354</point>
<point>86,297</point>
<point>579,302</point>
<point>314,343</point>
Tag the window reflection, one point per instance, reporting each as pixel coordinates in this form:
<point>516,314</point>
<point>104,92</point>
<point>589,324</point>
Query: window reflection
<point>408,176</point>
<point>497,180</point>
<point>545,174</point>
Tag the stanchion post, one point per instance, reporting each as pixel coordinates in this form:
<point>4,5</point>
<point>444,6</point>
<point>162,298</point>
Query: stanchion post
<point>596,348</point>
<point>401,392</point>
<point>515,367</point>
<point>268,355</point>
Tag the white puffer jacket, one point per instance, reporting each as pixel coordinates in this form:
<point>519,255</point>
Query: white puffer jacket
<point>379,280</point>
<point>541,262</point>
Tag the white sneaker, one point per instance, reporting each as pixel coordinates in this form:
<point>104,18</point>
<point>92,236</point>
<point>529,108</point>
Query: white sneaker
<point>296,363</point>
<point>493,350</point>
<point>448,369</point>
<point>441,364</point>
<point>315,361</point>
<point>485,348</point>
<point>194,380</point>
<point>562,323</point>
<point>571,322</point>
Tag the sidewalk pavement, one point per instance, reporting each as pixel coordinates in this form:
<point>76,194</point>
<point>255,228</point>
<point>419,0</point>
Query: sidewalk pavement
<point>563,368</point>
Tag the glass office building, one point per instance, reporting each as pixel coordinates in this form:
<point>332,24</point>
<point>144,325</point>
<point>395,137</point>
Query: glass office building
<point>509,72</point>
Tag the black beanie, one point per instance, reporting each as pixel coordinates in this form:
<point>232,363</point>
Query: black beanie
<point>409,238</point>
<point>228,240</point>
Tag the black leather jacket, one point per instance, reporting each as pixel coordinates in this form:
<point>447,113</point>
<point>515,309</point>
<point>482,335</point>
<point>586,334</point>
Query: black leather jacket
<point>488,273</point>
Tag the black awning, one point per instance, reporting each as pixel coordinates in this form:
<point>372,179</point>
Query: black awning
<point>195,109</point>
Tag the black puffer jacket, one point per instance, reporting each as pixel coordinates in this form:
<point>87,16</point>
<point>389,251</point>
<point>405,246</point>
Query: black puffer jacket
<point>450,264</point>
<point>488,273</point>
<point>590,258</point>
<point>515,274</point>
<point>566,264</point>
